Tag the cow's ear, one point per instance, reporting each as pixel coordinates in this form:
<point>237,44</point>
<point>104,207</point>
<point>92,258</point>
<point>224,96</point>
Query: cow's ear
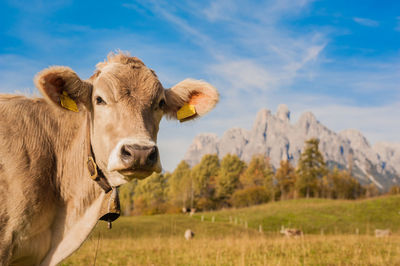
<point>190,99</point>
<point>62,86</point>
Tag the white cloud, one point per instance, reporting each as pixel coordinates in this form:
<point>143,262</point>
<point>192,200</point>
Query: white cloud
<point>245,74</point>
<point>219,10</point>
<point>16,73</point>
<point>397,28</point>
<point>377,123</point>
<point>247,51</point>
<point>366,22</point>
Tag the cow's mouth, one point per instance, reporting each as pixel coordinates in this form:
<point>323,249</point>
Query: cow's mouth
<point>135,173</point>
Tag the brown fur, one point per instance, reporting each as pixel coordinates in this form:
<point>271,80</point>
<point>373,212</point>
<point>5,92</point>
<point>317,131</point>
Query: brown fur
<point>48,203</point>
<point>291,232</point>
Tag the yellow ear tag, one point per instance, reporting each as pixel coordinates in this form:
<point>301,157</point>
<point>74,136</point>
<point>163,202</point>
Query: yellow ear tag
<point>186,111</point>
<point>68,103</point>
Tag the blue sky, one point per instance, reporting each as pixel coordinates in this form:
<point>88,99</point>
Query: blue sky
<point>338,59</point>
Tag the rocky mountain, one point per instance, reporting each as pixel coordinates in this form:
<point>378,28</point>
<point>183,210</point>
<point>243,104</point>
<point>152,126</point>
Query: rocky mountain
<point>274,135</point>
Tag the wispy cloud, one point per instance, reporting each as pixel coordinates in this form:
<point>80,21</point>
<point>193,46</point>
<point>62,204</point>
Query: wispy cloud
<point>258,54</point>
<point>16,73</point>
<point>262,62</point>
<point>377,123</point>
<point>397,28</point>
<point>40,6</point>
<point>366,22</point>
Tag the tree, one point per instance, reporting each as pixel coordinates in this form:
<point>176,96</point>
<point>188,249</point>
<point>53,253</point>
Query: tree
<point>250,196</point>
<point>203,176</point>
<point>150,195</point>
<point>227,179</point>
<point>345,186</point>
<point>286,179</point>
<point>180,185</point>
<point>394,190</point>
<point>126,193</point>
<point>311,167</point>
<point>371,190</point>
<point>258,173</point>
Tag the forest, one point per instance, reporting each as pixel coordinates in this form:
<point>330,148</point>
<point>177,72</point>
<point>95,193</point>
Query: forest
<point>215,184</point>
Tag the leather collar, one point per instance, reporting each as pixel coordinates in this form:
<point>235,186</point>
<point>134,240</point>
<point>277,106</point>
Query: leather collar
<point>112,210</point>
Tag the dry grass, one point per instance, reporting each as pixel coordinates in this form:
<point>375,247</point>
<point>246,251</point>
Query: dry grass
<point>158,240</point>
<point>245,250</point>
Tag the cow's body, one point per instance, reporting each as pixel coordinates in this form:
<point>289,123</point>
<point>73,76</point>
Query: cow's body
<point>291,232</point>
<point>48,203</point>
<point>46,190</point>
<point>382,232</point>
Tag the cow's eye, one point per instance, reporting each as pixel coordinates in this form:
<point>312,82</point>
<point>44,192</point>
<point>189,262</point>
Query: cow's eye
<point>100,100</point>
<point>161,104</point>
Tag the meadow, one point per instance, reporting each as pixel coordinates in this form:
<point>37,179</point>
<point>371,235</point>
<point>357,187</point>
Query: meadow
<point>336,232</point>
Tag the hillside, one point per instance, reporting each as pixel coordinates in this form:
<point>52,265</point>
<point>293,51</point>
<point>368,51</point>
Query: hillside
<point>158,240</point>
<point>274,136</point>
<point>310,215</point>
<point>314,215</point>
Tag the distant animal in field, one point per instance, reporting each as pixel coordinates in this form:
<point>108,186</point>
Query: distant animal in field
<point>63,156</point>
<point>189,234</point>
<point>291,232</point>
<point>382,232</point>
<point>189,211</point>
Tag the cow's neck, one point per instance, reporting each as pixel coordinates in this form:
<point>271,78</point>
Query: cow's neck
<point>80,197</point>
<point>74,180</point>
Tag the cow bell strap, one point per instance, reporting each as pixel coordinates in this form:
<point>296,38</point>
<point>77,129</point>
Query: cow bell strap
<point>95,172</point>
<point>110,210</point>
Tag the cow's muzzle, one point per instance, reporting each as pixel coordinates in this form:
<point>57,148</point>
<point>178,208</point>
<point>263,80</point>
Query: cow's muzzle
<point>135,159</point>
<point>139,157</point>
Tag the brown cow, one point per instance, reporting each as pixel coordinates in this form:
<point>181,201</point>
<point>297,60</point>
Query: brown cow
<point>48,154</point>
<point>291,232</point>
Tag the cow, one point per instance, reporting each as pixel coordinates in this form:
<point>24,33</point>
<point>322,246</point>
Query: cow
<point>291,232</point>
<point>382,232</point>
<point>189,234</point>
<point>63,156</point>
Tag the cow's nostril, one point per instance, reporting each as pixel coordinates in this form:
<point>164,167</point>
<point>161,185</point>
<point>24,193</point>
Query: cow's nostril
<point>153,156</point>
<point>125,152</point>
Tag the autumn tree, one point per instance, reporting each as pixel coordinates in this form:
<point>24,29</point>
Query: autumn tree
<point>256,183</point>
<point>203,176</point>
<point>286,179</point>
<point>326,187</point>
<point>258,173</point>
<point>311,167</point>
<point>150,195</point>
<point>180,189</point>
<point>250,196</point>
<point>371,190</point>
<point>345,186</point>
<point>394,190</point>
<point>227,179</point>
<point>126,193</point>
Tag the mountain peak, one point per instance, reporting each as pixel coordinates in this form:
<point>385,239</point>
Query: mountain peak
<point>307,117</point>
<point>283,112</point>
<point>274,137</point>
<point>355,136</point>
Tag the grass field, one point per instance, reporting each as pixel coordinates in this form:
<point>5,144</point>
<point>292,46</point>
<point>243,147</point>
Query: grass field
<point>158,240</point>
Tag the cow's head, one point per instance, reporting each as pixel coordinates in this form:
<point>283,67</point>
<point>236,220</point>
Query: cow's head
<point>126,102</point>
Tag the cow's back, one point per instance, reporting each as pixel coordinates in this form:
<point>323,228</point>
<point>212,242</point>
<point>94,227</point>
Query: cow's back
<point>27,165</point>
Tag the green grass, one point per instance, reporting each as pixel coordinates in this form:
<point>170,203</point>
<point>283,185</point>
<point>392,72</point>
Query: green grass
<point>158,240</point>
<point>312,215</point>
